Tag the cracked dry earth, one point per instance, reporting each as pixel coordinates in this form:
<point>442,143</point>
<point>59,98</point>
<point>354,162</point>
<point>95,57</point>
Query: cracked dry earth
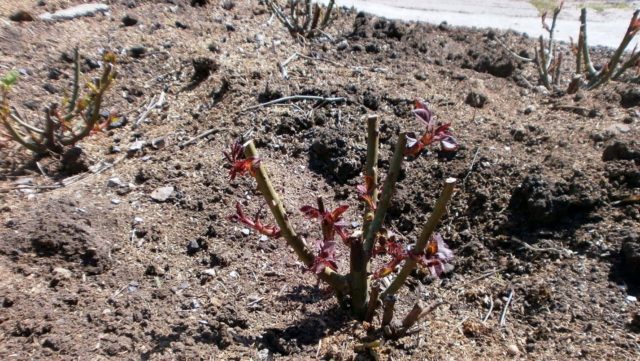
<point>125,251</point>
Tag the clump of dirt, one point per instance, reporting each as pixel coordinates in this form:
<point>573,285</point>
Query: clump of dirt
<point>63,231</point>
<point>538,202</point>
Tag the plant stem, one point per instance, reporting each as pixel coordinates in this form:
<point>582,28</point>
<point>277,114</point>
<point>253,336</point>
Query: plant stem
<point>371,167</point>
<point>387,192</point>
<point>585,45</point>
<point>428,229</point>
<point>360,265</point>
<point>294,241</point>
<point>374,298</point>
<point>387,313</point>
<point>608,71</point>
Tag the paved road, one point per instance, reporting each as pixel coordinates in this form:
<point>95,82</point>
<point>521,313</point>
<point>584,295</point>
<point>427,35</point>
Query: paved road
<point>604,27</point>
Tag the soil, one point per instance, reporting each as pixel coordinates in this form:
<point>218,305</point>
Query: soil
<point>123,249</point>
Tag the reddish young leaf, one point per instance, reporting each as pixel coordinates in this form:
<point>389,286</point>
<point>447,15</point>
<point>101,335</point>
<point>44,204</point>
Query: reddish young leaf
<point>326,246</point>
<point>255,223</point>
<point>434,132</point>
<point>435,256</point>
<point>365,192</point>
<point>239,165</point>
<point>242,167</point>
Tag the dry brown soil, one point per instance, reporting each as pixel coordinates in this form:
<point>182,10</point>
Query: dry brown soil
<point>99,270</point>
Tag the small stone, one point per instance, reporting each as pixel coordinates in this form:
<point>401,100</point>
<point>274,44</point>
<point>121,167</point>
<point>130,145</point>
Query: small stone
<point>372,48</point>
<point>115,182</point>
<point>530,109</point>
<point>114,149</point>
<point>476,99</point>
<point>20,16</point>
<point>92,64</point>
<point>115,201</point>
<point>213,47</point>
<point>628,120</point>
<point>343,45</point>
<point>62,272</point>
<point>136,146</point>
<point>181,25</point>
<point>129,20</point>
<point>229,27</point>
<point>210,272</point>
<point>234,274</point>
<point>421,76</point>
<point>193,246</point>
<point>619,128</point>
<point>137,51</point>
<point>137,220</point>
<point>630,298</point>
<point>54,74</point>
<point>158,143</point>
<point>519,133</point>
<point>246,231</point>
<point>513,350</point>
<point>50,88</point>
<point>162,194</point>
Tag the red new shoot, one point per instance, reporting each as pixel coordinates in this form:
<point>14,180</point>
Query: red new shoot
<point>331,225</point>
<point>239,165</point>
<point>434,132</point>
<point>365,192</point>
<point>435,256</point>
<point>255,223</point>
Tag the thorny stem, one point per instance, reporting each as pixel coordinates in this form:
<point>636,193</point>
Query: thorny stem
<point>428,229</point>
<point>585,45</point>
<point>542,64</point>
<point>374,299</point>
<point>387,192</point>
<point>76,85</point>
<point>412,316</point>
<point>633,60</point>
<point>389,303</point>
<point>611,67</point>
<point>327,15</point>
<point>294,241</point>
<point>371,166</point>
<point>360,265</point>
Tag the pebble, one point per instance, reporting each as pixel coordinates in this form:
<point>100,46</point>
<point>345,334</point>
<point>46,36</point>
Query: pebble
<point>62,272</point>
<point>513,350</point>
<point>115,201</point>
<point>234,274</point>
<point>343,45</point>
<point>20,16</point>
<point>476,99</point>
<point>632,298</point>
<point>193,246</point>
<point>158,143</point>
<point>162,194</point>
<point>115,182</point>
<point>246,231</point>
<point>129,20</point>
<point>210,272</point>
<point>137,51</point>
<point>530,109</point>
<point>136,146</point>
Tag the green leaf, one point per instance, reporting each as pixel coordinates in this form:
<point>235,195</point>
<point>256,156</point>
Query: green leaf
<point>10,78</point>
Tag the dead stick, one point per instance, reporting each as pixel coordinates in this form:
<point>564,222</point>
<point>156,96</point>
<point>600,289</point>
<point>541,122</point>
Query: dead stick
<point>503,316</point>
<point>296,97</point>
